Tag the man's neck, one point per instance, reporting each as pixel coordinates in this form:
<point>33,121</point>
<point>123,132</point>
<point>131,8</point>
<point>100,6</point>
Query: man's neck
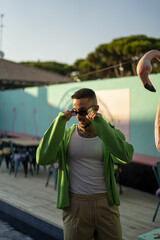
<point>87,131</point>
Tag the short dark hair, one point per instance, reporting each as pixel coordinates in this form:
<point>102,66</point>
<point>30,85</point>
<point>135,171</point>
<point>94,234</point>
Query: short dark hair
<point>84,93</point>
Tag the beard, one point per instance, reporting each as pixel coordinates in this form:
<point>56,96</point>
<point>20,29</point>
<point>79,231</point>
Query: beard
<point>85,124</point>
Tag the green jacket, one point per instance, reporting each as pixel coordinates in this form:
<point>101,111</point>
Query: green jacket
<point>53,148</point>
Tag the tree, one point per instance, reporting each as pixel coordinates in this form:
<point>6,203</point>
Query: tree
<point>118,58</point>
<point>115,59</point>
<point>55,67</point>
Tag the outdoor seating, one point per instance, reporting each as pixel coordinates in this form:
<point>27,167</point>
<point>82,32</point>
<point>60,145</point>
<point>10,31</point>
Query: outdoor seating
<point>118,176</point>
<point>21,156</point>
<point>156,170</point>
<point>1,154</point>
<point>5,153</point>
<point>53,169</point>
<point>32,153</point>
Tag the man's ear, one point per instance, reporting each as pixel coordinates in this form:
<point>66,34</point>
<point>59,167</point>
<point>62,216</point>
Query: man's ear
<point>96,108</point>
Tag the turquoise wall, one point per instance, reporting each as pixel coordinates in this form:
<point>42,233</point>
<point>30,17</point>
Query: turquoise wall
<point>30,111</point>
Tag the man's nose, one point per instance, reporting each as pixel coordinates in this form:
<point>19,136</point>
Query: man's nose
<point>79,116</point>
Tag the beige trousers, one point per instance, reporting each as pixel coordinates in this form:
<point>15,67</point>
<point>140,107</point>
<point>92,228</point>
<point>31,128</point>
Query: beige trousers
<point>91,217</point>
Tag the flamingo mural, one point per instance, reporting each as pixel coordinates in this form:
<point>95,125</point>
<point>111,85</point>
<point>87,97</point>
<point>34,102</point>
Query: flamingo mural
<point>4,116</point>
<point>51,105</point>
<point>35,122</point>
<point>14,118</point>
<point>24,124</point>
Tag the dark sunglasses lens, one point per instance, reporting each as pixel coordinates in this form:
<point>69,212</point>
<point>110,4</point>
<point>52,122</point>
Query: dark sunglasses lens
<point>82,113</point>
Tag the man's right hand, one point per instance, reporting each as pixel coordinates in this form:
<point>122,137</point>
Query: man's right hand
<point>68,114</point>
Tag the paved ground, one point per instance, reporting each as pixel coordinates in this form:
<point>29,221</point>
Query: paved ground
<point>30,195</point>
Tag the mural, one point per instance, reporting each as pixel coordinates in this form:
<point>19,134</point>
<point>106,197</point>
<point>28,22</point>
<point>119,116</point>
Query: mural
<point>65,101</point>
<point>123,102</point>
<point>35,122</point>
<point>51,104</point>
<point>115,108</point>
<point>4,116</point>
<point>14,119</point>
<point>24,122</point>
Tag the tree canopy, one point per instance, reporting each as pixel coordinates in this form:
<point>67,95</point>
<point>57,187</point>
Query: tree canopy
<point>55,67</point>
<point>115,59</point>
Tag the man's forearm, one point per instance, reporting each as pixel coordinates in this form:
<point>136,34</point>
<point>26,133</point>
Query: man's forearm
<point>113,139</point>
<point>49,145</point>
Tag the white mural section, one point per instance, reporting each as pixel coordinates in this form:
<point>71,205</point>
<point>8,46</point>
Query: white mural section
<point>115,108</point>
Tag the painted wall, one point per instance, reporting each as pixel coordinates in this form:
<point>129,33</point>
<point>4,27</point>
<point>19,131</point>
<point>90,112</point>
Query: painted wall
<point>30,111</point>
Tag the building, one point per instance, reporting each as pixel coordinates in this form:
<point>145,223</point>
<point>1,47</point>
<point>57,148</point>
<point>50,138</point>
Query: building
<point>15,75</point>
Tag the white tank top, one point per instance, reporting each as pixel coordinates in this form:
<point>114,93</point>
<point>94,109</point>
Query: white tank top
<point>86,164</point>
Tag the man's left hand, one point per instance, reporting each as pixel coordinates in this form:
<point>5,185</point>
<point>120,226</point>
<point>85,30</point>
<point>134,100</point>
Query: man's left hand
<point>91,116</point>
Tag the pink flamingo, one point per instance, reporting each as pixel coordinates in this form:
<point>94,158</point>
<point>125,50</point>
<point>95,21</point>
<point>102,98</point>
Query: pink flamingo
<point>144,68</point>
<point>157,128</point>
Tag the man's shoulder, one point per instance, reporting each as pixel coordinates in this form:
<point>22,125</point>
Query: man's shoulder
<point>70,129</point>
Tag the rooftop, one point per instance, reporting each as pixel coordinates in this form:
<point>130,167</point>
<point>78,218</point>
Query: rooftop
<point>15,75</point>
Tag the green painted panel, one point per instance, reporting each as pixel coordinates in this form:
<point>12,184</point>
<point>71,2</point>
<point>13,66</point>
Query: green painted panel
<point>31,111</point>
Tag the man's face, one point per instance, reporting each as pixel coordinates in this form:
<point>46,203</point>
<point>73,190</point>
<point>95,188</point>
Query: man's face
<point>79,105</point>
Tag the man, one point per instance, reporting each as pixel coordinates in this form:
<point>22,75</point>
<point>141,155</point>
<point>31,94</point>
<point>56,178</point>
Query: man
<point>86,153</point>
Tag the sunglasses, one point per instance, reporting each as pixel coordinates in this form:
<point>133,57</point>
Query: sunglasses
<point>82,112</point>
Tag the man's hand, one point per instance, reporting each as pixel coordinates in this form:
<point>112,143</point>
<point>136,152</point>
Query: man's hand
<point>68,114</point>
<point>91,116</point>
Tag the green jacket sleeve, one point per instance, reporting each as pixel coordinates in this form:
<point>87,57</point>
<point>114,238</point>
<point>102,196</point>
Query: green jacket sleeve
<point>114,140</point>
<point>48,148</point>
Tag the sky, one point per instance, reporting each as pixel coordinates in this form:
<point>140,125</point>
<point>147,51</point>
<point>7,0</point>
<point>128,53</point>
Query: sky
<point>67,30</point>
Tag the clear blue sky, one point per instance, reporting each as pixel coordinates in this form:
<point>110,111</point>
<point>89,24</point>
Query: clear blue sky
<point>67,30</point>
